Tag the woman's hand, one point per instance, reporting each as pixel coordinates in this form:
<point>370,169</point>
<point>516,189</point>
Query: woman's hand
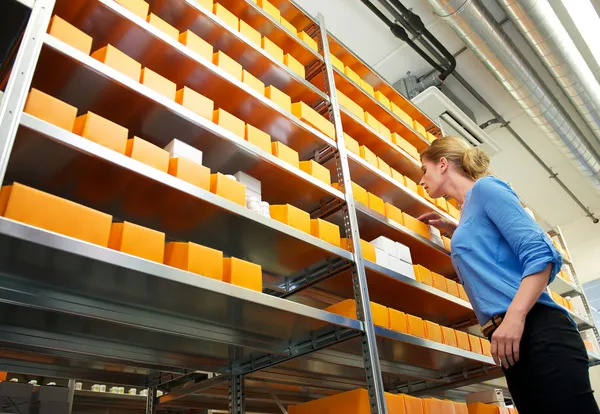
<point>438,221</point>
<point>506,340</point>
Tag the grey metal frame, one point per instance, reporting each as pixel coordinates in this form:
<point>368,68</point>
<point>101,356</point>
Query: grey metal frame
<point>359,276</point>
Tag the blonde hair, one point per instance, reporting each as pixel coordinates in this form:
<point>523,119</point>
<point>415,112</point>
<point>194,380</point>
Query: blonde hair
<point>472,161</point>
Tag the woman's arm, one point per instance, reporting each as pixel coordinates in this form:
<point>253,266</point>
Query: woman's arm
<point>507,338</point>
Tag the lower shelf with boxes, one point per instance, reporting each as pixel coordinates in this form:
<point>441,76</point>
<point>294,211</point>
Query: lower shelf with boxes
<point>357,402</point>
<point>22,204</point>
<point>398,321</point>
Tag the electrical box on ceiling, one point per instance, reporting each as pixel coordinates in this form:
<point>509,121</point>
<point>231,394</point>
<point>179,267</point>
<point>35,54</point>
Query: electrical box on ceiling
<point>453,121</point>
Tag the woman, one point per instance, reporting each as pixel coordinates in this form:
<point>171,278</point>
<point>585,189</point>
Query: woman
<point>505,262</point>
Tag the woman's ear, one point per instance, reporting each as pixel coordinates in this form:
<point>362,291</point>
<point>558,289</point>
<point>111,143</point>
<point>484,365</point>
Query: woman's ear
<point>443,164</point>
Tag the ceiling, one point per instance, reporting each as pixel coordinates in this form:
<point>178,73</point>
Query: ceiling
<point>370,39</point>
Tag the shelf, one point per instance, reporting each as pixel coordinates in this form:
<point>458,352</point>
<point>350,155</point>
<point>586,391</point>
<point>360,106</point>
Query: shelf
<point>357,128</point>
<point>62,296</point>
<point>402,357</point>
<point>176,62</point>
<point>401,292</point>
<point>594,358</point>
<point>43,152</point>
<point>384,186</point>
<point>563,287</point>
<point>393,155</point>
<point>251,13</point>
<point>363,70</point>
<point>90,85</point>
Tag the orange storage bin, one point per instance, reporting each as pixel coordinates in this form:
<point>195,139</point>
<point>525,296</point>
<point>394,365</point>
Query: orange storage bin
<point>231,123</point>
<point>413,405</point>
<point>416,327</point>
<point>102,131</point>
<point>460,408</point>
<point>285,153</point>
<point>475,344</point>
<point>452,288</point>
<point>227,188</point>
<point>270,9</point>
<point>69,34</point>
<point>447,243</point>
<point>385,132</point>
<point>383,99</point>
<point>372,121</point>
<point>449,337</point>
<point>442,204</point>
<point>416,225</point>
<point>195,258</point>
<point>148,153</point>
<point>242,273</point>
<point>462,340</point>
<point>377,204</point>
<point>479,408</point>
<point>259,138</point>
<point>253,82</point>
<point>394,213</point>
<point>312,43</point>
<point>423,275</point>
<point>433,331</point>
<point>316,170</point>
<point>228,17</point>
<point>368,155</point>
<point>384,167</point>
<point>251,33</point>
<point>280,98</point>
<point>190,171</point>
<point>294,65</point>
<point>163,26</point>
<point>398,321</point>
<point>367,87</point>
<point>292,216</point>
<point>46,211</point>
<point>352,75</point>
<point>439,282</point>
<point>399,112</point>
<point>272,49</point>
<point>423,193</point>
<point>158,83</point>
<point>406,146</point>
<point>137,241</point>
<point>228,64</point>
<point>347,308</point>
<point>411,185</point>
<point>350,402</point>
<point>397,176</point>
<point>113,57</point>
<point>195,102</point>
<point>325,231</point>
<point>50,109</point>
<point>486,347</point>
<point>138,7</point>
<point>462,293</point>
<point>312,117</point>
<point>435,406</point>
<point>197,44</point>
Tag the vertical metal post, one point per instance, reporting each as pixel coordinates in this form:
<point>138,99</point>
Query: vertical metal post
<point>20,78</point>
<point>71,395</point>
<point>151,400</point>
<point>359,279</point>
<point>586,305</point>
<point>237,401</point>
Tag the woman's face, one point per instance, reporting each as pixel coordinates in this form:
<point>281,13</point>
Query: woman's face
<point>434,177</point>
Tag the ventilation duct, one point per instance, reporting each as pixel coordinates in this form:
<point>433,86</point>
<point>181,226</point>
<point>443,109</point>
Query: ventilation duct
<point>471,21</point>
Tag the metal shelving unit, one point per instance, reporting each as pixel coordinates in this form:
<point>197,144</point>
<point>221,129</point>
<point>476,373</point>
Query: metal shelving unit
<point>76,310</point>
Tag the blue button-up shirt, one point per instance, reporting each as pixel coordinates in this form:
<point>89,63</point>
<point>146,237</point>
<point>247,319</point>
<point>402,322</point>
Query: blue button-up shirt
<point>496,245</point>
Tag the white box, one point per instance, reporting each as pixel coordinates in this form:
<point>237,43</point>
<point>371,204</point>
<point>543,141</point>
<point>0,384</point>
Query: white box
<point>435,232</point>
<point>250,194</point>
<point>487,397</point>
<point>382,258</point>
<point>180,149</point>
<point>385,244</point>
<point>402,267</point>
<point>403,253</point>
<point>250,182</point>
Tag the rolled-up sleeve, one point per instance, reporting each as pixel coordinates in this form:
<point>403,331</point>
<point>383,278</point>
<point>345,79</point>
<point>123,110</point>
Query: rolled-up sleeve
<point>525,237</point>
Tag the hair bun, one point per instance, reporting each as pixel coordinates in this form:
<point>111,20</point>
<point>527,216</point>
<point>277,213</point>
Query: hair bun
<point>475,163</point>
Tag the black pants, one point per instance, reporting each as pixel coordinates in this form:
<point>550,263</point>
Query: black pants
<point>552,373</point>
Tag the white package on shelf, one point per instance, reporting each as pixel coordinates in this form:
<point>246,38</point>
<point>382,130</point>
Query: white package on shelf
<point>251,183</point>
<point>179,148</point>
<point>403,253</point>
<point>382,258</point>
<point>385,244</point>
<point>402,267</point>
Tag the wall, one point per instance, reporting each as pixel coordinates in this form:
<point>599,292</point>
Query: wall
<point>583,241</point>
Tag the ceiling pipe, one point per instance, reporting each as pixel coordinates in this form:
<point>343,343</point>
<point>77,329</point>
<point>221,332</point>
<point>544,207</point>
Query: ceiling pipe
<point>543,30</point>
<point>472,22</point>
